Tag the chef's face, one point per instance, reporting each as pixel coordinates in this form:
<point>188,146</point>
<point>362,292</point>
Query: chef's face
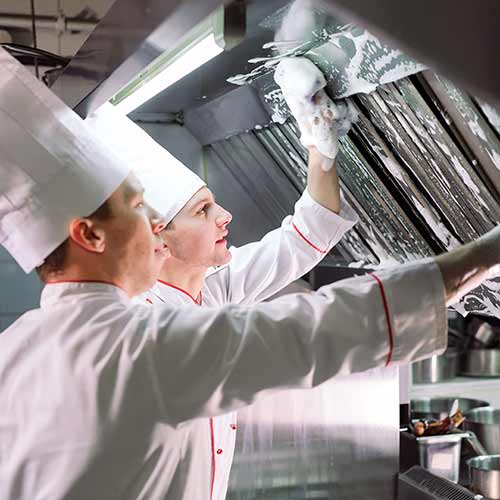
<point>133,244</point>
<point>197,235</point>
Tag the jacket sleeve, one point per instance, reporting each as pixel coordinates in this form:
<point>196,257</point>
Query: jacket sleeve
<point>207,362</point>
<point>261,269</point>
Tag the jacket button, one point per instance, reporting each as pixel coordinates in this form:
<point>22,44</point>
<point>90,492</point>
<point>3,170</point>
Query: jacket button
<point>233,426</point>
<point>219,451</point>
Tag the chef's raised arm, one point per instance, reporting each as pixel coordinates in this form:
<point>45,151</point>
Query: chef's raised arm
<point>259,270</point>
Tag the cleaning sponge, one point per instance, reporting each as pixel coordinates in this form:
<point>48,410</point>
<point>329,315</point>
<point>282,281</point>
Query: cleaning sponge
<point>321,121</point>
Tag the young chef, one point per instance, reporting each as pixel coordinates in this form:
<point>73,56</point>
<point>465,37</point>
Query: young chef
<point>196,238</point>
<point>106,398</point>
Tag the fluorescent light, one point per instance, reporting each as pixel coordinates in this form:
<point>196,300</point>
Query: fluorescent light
<point>200,53</point>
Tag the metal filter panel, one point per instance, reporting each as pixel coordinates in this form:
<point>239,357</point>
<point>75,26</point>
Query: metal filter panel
<point>421,168</point>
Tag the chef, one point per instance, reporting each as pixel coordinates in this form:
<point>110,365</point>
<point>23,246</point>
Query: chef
<point>198,226</point>
<point>109,399</point>
<point>201,270</point>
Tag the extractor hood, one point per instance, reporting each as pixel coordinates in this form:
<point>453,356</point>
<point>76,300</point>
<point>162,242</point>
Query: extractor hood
<point>421,167</point>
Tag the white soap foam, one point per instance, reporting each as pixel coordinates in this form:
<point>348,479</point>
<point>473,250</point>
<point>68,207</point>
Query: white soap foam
<point>492,114</point>
<point>392,165</point>
<point>320,121</point>
<point>437,227</point>
<point>495,157</point>
<point>298,76</point>
<point>298,23</point>
<point>476,128</point>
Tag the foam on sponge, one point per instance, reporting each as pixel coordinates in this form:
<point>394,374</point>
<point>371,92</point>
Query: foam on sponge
<point>321,121</point>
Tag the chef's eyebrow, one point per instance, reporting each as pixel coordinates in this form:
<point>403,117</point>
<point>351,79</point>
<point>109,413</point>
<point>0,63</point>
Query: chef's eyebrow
<point>206,199</point>
<point>131,193</point>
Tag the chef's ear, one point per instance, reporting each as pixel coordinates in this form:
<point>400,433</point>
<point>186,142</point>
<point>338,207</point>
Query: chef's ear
<point>87,235</point>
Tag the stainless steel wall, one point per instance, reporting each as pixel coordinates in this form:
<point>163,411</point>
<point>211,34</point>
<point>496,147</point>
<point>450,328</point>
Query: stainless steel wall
<point>339,441</point>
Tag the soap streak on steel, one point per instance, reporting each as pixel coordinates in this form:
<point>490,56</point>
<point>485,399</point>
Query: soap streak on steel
<point>474,129</point>
<point>278,141</point>
<point>445,151</point>
<point>433,184</point>
<point>491,114</point>
<point>422,165</point>
<point>418,205</point>
<point>362,191</point>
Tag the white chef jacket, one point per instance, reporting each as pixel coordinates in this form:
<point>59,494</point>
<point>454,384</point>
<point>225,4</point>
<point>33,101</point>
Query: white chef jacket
<point>106,399</point>
<point>257,271</point>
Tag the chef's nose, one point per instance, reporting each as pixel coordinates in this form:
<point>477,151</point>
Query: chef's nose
<point>224,218</point>
<point>158,223</point>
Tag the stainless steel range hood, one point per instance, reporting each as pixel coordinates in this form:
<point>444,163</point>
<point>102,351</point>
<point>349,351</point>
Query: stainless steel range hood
<point>422,166</point>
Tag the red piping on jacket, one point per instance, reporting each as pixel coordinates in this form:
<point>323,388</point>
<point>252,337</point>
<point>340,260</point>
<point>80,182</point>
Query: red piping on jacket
<point>387,317</point>
<point>306,240</point>
<point>198,302</point>
<point>213,457</point>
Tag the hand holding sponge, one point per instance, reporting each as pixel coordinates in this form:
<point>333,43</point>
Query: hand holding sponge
<point>321,121</point>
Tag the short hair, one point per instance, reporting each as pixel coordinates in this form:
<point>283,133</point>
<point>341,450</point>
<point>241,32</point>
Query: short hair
<point>56,261</point>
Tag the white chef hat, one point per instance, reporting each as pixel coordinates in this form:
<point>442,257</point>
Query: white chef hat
<point>51,168</point>
<point>167,182</point>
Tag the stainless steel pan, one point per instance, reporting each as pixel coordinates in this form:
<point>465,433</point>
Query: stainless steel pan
<point>484,473</point>
<point>482,363</point>
<point>437,368</point>
<point>485,423</point>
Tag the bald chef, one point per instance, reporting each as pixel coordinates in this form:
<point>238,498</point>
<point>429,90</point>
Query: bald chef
<point>196,237</point>
<point>105,398</point>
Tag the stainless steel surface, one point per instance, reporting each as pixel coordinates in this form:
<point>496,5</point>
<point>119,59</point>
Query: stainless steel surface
<point>485,476</point>
<point>441,455</point>
<point>419,484</point>
<point>437,368</point>
<point>413,182</point>
<point>421,167</point>
<point>438,454</point>
<point>475,444</point>
<point>438,407</point>
<point>485,423</point>
<point>461,42</point>
<point>128,38</point>
<point>481,363</point>
<point>338,441</point>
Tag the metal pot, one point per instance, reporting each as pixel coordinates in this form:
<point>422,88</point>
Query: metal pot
<point>437,368</point>
<point>438,408</point>
<point>485,423</point>
<point>482,363</point>
<point>484,473</point>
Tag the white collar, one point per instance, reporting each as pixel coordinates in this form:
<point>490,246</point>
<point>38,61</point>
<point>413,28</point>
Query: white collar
<point>52,293</point>
<point>163,288</point>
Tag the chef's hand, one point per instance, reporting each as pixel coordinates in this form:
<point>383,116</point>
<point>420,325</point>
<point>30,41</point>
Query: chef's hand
<point>466,267</point>
<point>322,122</point>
